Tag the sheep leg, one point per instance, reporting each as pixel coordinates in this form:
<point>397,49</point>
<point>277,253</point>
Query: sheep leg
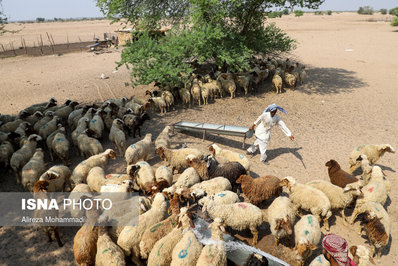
<point>56,234</point>
<point>276,241</point>
<point>49,239</point>
<point>51,154</point>
<point>354,216</point>
<point>343,216</point>
<point>255,235</point>
<point>326,223</point>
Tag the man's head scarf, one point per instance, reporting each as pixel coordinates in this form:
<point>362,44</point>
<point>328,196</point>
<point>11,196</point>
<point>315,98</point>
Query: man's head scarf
<point>337,247</point>
<point>274,107</point>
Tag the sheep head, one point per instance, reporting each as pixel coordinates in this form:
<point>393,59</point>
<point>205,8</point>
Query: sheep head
<point>34,137</point>
<point>41,186</point>
<point>242,178</point>
<point>147,92</point>
<point>386,148</point>
<point>303,250</point>
<point>111,153</point>
<point>52,175</point>
<point>361,252</point>
<point>133,170</point>
<point>160,151</point>
<point>332,163</point>
<point>284,224</point>
<point>288,182</point>
<point>213,151</point>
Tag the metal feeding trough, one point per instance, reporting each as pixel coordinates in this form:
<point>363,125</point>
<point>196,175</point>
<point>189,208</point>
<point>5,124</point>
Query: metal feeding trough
<point>215,129</point>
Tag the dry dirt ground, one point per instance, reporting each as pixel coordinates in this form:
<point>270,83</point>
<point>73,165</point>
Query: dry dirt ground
<point>349,99</point>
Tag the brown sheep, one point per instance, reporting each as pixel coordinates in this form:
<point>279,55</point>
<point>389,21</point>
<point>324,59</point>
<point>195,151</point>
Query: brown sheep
<point>85,240</point>
<point>40,189</point>
<point>338,176</point>
<point>376,233</point>
<point>260,189</point>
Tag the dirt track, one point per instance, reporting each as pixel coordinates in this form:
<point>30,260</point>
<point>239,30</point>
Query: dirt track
<point>350,99</point>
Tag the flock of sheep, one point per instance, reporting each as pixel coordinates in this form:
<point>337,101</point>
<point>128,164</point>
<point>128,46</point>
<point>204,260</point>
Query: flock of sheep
<point>219,181</point>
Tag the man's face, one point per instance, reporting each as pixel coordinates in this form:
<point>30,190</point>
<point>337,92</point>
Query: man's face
<point>273,113</point>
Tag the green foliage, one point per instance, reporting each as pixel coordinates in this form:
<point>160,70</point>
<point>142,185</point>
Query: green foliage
<point>329,12</point>
<point>224,33</point>
<point>40,20</point>
<point>366,10</point>
<point>318,13</point>
<point>285,11</point>
<point>275,14</point>
<point>393,11</point>
<point>383,11</point>
<point>298,13</point>
<point>395,22</point>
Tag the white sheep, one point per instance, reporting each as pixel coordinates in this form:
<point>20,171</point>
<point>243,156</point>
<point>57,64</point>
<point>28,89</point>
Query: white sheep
<point>309,199</point>
<point>281,216</point>
<point>230,155</point>
<point>117,136</point>
<point>88,146</point>
<point>185,95</point>
<point>205,92</point>
<point>187,179</point>
<point>60,146</point>
<point>47,118</point>
<point>373,152</point>
<point>139,150</point>
<point>78,191</point>
<point>319,261</point>
<point>58,177</point>
<point>49,127</point>
<point>220,198</point>
<point>177,157</point>
<point>187,251</point>
<point>245,216</point>
<point>163,140</point>
<point>81,127</point>
<point>32,171</point>
<point>227,83</point>
<point>374,207</point>
<point>96,178</point>
<point>168,98</point>
<point>97,124</point>
<point>108,253</point>
<point>164,173</point>
<point>338,197</point>
<point>80,172</point>
<point>196,91</point>
<point>307,234</point>
<point>144,175</point>
<point>214,253</point>
<point>130,237</point>
<point>277,83</point>
<point>211,187</point>
<point>23,155</point>
<point>159,103</point>
<point>361,256</point>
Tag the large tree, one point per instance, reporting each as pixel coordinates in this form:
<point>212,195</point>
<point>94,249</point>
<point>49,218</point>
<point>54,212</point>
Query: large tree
<point>227,33</point>
<point>3,20</point>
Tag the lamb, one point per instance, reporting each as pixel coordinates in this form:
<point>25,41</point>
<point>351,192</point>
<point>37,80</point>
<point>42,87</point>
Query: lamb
<point>159,103</point>
<point>281,217</point>
<point>161,253</point>
<point>40,189</point>
<point>214,254</point>
<point>290,80</point>
<point>60,146</point>
<point>338,197</point>
<point>134,123</point>
<point>187,179</point>
<point>168,98</point>
<point>377,233</point>
<point>139,150</point>
<point>80,172</point>
<point>361,256</point>
<point>277,83</point>
<point>6,151</point>
<point>177,157</point>
<point>222,198</point>
<point>32,171</point>
<point>243,81</point>
<point>50,138</point>
<point>227,83</point>
<point>130,237</point>
<point>47,118</point>
<point>246,216</point>
<point>97,124</point>
<point>81,127</point>
<point>374,207</point>
<point>163,140</point>
<point>373,152</point>
<point>337,175</point>
<point>307,234</point>
<point>88,146</point>
<point>230,155</point>
<point>205,91</point>
<point>309,198</point>
<point>187,250</point>
<point>58,177</point>
<point>85,240</point>
<point>117,136</point>
<point>258,190</point>
<point>185,95</point>
<point>49,127</point>
<point>108,252</point>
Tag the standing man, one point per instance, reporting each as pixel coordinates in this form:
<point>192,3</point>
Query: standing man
<point>263,124</point>
<point>335,250</point>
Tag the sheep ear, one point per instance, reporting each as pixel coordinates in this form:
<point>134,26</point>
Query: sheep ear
<point>353,250</point>
<point>208,164</point>
<point>179,224</point>
<point>278,225</point>
<point>312,246</point>
<point>222,229</point>
<point>191,223</point>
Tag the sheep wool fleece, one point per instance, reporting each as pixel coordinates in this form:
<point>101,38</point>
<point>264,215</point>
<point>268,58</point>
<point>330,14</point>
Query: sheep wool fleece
<point>264,124</point>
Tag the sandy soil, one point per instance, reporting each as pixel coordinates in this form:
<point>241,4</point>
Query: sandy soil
<point>350,99</point>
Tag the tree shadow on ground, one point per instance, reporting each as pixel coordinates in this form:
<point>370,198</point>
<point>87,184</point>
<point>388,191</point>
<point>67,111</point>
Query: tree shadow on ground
<point>330,80</point>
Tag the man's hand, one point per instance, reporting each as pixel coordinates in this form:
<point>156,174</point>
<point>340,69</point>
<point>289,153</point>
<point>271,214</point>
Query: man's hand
<point>291,137</point>
<point>252,127</point>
